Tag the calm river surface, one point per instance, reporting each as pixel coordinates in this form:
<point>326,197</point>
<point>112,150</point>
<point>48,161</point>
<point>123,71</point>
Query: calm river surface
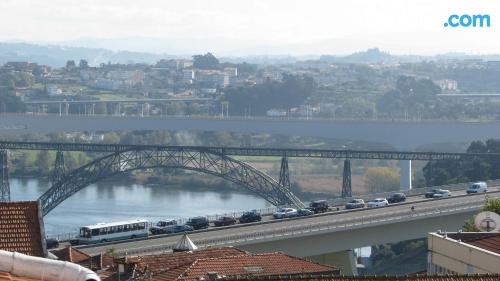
<point>107,202</point>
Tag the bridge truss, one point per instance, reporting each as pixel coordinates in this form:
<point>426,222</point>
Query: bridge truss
<point>202,161</point>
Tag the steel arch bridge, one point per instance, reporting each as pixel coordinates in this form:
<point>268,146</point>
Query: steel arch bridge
<point>200,160</point>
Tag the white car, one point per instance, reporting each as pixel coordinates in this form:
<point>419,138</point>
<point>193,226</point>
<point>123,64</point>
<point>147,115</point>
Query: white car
<point>285,213</point>
<point>442,193</point>
<point>378,202</point>
<point>477,187</point>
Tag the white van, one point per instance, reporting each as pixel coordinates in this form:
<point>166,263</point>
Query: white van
<point>477,187</point>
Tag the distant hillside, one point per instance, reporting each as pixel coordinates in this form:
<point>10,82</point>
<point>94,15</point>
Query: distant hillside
<point>56,56</point>
<point>377,56</point>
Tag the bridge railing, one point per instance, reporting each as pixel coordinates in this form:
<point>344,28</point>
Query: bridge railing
<point>63,237</point>
<point>412,192</point>
<point>334,225</point>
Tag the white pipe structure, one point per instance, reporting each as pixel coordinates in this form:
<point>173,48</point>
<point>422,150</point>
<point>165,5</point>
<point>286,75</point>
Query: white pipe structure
<point>44,269</point>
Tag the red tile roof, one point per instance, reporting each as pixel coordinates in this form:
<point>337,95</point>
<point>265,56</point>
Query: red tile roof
<point>224,261</point>
<point>157,263</point>
<point>491,243</point>
<point>71,254</point>
<point>21,228</point>
<point>494,277</point>
<point>484,240</point>
<point>253,265</point>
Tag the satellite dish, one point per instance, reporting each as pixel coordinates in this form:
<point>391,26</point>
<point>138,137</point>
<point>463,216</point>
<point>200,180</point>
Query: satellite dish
<point>488,221</point>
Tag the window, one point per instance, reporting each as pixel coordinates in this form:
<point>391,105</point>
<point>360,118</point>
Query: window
<point>95,232</point>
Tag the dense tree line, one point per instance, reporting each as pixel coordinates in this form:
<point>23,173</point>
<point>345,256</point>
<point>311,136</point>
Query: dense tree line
<point>441,172</point>
<point>292,91</point>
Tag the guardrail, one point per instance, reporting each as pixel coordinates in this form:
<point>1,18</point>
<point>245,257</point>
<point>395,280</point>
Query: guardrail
<point>336,225</point>
<point>64,237</point>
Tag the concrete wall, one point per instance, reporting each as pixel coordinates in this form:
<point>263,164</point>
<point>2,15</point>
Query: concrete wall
<point>458,257</point>
<point>326,242</point>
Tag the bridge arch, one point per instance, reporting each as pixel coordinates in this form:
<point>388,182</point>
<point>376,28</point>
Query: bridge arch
<point>201,160</point>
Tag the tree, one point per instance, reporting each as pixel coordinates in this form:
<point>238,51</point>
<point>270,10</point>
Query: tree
<point>490,205</point>
<point>70,64</point>
<point>207,61</point>
<point>43,162</point>
<point>381,179</point>
<point>293,91</point>
<point>83,64</point>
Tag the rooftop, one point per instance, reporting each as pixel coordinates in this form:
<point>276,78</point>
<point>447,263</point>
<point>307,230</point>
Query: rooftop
<point>21,228</point>
<point>484,240</point>
<point>494,277</point>
<point>227,261</point>
<point>254,265</point>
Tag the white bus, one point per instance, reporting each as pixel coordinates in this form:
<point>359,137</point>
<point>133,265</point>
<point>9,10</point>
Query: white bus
<point>106,232</point>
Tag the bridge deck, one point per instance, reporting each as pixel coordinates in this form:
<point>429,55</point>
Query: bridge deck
<point>155,243</point>
<point>246,151</point>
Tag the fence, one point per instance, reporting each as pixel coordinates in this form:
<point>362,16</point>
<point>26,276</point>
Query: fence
<point>337,225</point>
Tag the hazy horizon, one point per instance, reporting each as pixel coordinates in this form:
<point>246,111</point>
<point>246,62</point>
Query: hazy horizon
<point>251,27</point>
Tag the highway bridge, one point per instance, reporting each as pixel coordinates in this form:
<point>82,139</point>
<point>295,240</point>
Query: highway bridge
<point>320,236</point>
<point>399,134</point>
<point>217,161</point>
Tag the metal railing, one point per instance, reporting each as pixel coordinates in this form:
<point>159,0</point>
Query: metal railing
<point>335,225</point>
<point>64,237</point>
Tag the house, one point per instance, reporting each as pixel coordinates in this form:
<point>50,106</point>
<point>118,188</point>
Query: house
<point>204,264</point>
<point>463,253</point>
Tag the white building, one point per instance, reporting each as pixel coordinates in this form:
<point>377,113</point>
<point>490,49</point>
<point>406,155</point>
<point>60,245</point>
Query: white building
<point>448,84</point>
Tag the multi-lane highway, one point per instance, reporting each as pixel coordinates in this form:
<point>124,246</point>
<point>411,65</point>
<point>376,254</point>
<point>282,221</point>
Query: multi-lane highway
<point>231,235</point>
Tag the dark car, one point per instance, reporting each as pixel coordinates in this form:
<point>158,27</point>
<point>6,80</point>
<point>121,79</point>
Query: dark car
<point>180,228</point>
<point>52,243</point>
<point>305,212</point>
<point>198,222</point>
<point>430,194</point>
<point>319,206</point>
<point>223,221</point>
<point>396,198</point>
<point>252,216</point>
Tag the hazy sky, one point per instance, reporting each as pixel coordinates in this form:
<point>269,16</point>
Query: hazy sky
<point>253,26</point>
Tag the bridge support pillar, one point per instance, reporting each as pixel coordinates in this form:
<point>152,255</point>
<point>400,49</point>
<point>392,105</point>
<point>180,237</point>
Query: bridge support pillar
<point>59,168</point>
<point>405,175</point>
<point>4,174</point>
<point>346,180</point>
<point>284,173</point>
<point>345,260</point>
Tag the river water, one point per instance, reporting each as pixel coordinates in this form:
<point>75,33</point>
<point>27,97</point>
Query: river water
<point>107,202</point>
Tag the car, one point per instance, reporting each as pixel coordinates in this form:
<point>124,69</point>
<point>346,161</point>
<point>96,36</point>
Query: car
<point>442,193</point>
<point>477,187</point>
<point>198,223</point>
<point>252,216</point>
<point>223,221</point>
<point>355,204</point>
<point>52,243</point>
<point>304,212</point>
<point>430,194</point>
<point>396,198</point>
<point>377,202</point>
<point>180,228</point>
<point>319,206</point>
<point>163,227</point>
<point>285,213</point>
